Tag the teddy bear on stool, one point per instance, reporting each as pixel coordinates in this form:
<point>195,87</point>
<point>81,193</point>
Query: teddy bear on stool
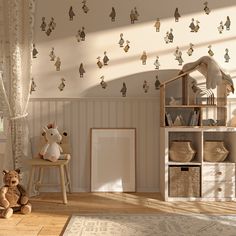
<point>13,196</point>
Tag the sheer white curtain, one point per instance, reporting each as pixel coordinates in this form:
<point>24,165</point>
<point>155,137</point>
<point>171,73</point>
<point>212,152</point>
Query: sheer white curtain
<point>16,32</point>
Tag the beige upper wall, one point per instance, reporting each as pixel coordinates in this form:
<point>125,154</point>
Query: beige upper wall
<point>103,35</point>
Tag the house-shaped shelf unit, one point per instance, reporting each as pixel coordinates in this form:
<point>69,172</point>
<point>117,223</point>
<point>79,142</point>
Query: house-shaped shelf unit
<point>185,101</point>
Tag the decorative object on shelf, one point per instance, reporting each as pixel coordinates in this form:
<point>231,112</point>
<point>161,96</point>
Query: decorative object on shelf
<point>192,26</point>
<point>32,86</point>
<point>190,50</point>
<point>220,27</point>
<point>123,90</point>
<point>176,14</point>
<point>210,52</point>
<point>71,13</point>
<point>62,84</point>
<point>103,83</point>
<point>82,34</point>
<point>81,70</point>
<point>226,56</point>
<point>180,59</point>
<point>197,27</point>
<point>209,122</point>
<point>157,25</point>
<point>58,64</point>
<point>206,8</point>
<point>179,121</point>
<point>171,36</point>
<point>51,26</point>
<point>181,151</point>
<point>43,24</point>
<point>121,41</point>
<point>52,55</point>
<point>113,14</point>
<point>166,38</point>
<point>145,86</point>
<point>78,36</point>
<point>157,83</point>
<point>34,51</point>
<point>215,151</point>
<point>85,7</point>
<point>143,58</point>
<point>157,63</point>
<point>105,59</point>
<point>227,23</point>
<point>177,53</point>
<point>127,47</point>
<point>173,101</point>
<point>99,63</point>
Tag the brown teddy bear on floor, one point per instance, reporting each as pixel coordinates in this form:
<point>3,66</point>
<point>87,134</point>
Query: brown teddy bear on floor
<point>13,196</point>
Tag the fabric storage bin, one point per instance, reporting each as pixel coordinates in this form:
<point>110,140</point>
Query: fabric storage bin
<point>184,181</point>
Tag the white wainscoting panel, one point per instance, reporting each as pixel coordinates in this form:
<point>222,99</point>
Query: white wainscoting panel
<point>78,116</point>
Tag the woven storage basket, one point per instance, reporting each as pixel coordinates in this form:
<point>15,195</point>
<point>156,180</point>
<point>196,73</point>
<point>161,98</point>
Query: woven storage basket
<point>215,151</point>
<point>181,151</point>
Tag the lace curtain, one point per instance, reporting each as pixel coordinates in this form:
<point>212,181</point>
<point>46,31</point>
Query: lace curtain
<point>16,33</point>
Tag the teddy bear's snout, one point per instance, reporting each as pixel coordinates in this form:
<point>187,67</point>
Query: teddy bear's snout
<point>13,181</point>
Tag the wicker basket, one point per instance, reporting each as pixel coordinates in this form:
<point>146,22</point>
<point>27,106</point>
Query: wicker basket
<point>215,151</point>
<point>181,151</point>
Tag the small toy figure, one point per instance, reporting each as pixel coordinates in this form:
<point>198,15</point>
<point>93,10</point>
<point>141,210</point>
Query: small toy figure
<point>143,58</point>
<point>85,7</point>
<point>157,25</point>
<point>81,70</point>
<point>192,26</point>
<point>62,84</point>
<point>105,59</point>
<point>43,24</point>
<point>113,14</point>
<point>71,13</point>
<point>49,31</point>
<point>99,63</point>
<point>157,63</point>
<point>157,83</point>
<point>52,24</point>
<point>58,64</point>
<point>123,90</point>
<point>190,50</point>
<point>136,13</point>
<point>166,38</point>
<point>210,52</point>
<point>32,86</point>
<point>176,14</point>
<point>227,23</point>
<point>132,16</point>
<point>145,86</point>
<point>220,27</point>
<point>180,59</point>
<point>127,47</point>
<point>226,56</point>
<point>176,53</point>
<point>171,36</point>
<point>206,8</point>
<point>82,34</point>
<point>103,83</point>
<point>197,27</point>
<point>52,55</point>
<point>34,51</point>
<point>78,36</point>
<point>121,41</point>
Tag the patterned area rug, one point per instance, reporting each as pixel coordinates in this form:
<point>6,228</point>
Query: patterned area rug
<point>150,225</point>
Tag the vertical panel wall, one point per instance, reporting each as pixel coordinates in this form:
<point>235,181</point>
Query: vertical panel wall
<point>78,116</point>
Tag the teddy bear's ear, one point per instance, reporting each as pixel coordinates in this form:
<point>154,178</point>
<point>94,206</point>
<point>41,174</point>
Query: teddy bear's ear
<point>17,170</point>
<point>65,133</point>
<point>5,172</point>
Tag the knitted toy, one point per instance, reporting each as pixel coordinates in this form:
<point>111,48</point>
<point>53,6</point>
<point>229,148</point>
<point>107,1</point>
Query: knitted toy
<point>13,196</point>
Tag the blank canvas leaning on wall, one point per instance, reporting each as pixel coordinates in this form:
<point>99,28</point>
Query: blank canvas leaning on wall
<point>113,160</point>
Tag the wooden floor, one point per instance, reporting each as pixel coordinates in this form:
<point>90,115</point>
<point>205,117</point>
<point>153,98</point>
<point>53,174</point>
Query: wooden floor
<point>49,215</point>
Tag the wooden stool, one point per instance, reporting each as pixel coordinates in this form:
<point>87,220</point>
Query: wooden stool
<point>41,163</point>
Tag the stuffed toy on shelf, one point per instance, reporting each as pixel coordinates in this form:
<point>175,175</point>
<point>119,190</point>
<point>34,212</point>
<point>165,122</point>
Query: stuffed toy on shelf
<point>121,41</point>
<point>226,56</point>
<point>34,51</point>
<point>143,58</point>
<point>105,59</point>
<point>227,23</point>
<point>43,24</point>
<point>113,14</point>
<point>157,25</point>
<point>71,13</point>
<point>85,7</point>
<point>62,85</point>
<point>13,196</point>
<point>81,70</point>
<point>176,14</point>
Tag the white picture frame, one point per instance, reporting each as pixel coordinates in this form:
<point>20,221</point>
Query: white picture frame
<point>113,158</point>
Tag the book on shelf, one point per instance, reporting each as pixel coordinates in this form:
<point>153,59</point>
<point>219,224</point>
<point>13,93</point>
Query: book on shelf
<point>169,119</point>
